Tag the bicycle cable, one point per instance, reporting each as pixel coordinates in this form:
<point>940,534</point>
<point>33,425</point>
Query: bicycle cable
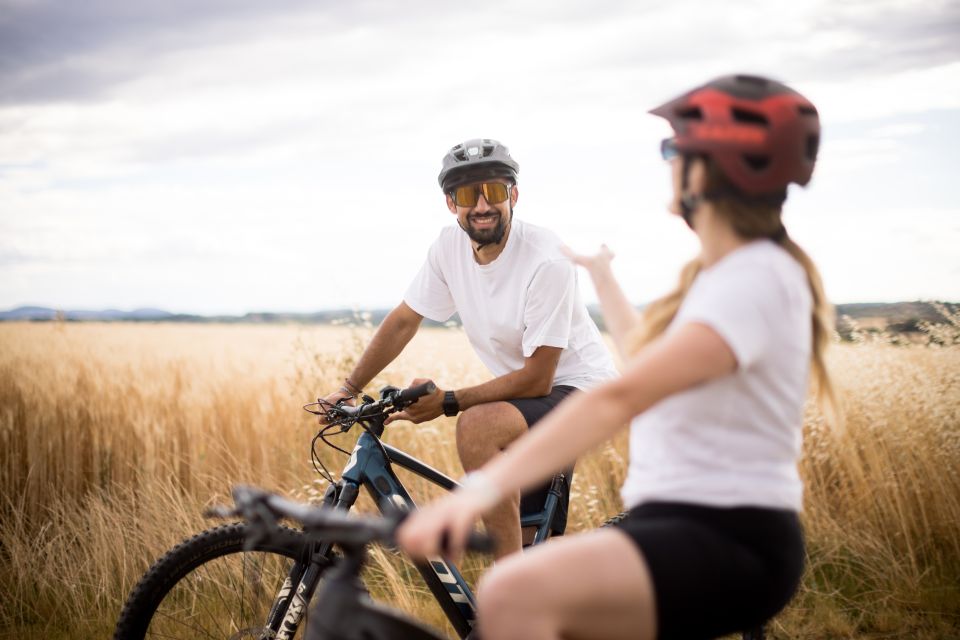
<point>318,465</point>
<point>315,459</point>
<point>342,424</point>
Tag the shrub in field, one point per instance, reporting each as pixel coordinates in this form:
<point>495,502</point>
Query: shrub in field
<point>946,333</point>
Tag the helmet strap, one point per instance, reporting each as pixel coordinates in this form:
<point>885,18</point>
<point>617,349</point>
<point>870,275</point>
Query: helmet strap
<point>730,193</point>
<point>688,201</point>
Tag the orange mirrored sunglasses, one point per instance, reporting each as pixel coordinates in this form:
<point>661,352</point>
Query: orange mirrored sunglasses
<point>469,194</point>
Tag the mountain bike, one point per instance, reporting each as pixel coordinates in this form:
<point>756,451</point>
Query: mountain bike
<point>227,583</point>
<point>342,610</point>
<point>254,579</point>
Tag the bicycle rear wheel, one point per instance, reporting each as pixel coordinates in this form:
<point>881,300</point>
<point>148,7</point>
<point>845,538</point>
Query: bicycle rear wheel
<point>209,586</point>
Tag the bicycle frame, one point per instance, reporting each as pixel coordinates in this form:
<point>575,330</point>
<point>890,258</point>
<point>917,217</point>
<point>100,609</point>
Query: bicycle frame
<point>371,466</point>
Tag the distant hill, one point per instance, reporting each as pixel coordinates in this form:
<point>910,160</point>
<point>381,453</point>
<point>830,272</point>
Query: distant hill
<point>887,316</point>
<point>334,316</point>
<point>46,313</point>
<point>896,317</point>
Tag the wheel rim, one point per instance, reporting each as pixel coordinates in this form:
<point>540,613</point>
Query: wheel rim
<point>225,598</point>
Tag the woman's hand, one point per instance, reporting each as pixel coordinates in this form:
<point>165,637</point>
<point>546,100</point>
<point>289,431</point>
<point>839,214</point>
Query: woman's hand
<point>620,316</point>
<point>442,527</point>
<point>597,265</point>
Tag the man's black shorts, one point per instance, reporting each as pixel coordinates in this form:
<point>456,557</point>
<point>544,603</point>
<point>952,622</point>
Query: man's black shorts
<point>530,503</point>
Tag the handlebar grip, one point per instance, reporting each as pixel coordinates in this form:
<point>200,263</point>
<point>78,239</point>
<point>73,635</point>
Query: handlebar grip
<point>476,541</point>
<point>480,542</point>
<point>412,394</point>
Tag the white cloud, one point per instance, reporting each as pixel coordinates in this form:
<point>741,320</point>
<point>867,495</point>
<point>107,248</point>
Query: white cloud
<point>899,130</point>
<point>912,92</point>
<point>242,163</point>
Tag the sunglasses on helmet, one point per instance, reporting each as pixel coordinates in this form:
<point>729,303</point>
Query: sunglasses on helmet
<point>668,149</point>
<point>469,194</point>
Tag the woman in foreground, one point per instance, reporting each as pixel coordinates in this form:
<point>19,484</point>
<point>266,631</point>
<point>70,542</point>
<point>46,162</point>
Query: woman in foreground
<point>715,380</point>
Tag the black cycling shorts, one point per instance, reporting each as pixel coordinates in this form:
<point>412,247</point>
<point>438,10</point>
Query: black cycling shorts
<point>533,501</point>
<point>715,570</point>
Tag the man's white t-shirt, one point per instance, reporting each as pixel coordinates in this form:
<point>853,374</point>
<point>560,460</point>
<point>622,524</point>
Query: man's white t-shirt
<point>734,441</point>
<point>526,298</point>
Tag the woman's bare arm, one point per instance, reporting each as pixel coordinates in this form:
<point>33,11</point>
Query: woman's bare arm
<point>690,356</point>
<point>620,316</point>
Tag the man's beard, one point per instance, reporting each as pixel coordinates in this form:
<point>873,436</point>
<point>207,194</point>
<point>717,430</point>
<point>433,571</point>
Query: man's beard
<point>493,235</point>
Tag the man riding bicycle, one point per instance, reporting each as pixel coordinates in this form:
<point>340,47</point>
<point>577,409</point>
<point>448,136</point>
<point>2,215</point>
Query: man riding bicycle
<point>517,297</point>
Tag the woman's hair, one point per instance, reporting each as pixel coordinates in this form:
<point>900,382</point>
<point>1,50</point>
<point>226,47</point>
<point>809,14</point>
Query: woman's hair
<point>752,220</point>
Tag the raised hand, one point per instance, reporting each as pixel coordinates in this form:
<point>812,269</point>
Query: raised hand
<point>596,265</point>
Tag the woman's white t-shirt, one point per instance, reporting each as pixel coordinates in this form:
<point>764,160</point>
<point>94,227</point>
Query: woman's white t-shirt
<point>734,441</point>
<point>527,298</point>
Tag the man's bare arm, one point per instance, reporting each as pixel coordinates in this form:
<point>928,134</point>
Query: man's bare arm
<point>533,380</point>
<point>393,334</point>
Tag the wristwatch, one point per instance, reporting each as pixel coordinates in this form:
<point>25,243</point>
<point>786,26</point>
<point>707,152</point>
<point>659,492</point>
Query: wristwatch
<point>450,405</point>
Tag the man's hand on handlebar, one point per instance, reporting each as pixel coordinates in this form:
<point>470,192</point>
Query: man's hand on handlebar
<point>333,399</point>
<point>426,408</point>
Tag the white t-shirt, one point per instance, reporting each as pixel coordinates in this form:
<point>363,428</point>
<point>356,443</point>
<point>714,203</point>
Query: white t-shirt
<point>734,441</point>
<point>526,298</point>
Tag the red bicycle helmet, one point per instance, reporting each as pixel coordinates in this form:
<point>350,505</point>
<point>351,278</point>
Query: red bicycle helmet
<point>761,133</point>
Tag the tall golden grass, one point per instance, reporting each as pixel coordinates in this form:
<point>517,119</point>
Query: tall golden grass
<point>114,437</point>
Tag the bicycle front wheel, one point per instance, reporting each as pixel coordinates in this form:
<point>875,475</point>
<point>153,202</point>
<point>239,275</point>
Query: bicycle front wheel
<point>209,586</point>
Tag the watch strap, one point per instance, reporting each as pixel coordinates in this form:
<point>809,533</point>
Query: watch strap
<point>450,405</point>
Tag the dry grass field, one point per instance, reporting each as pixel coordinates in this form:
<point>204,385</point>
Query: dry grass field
<point>113,437</point>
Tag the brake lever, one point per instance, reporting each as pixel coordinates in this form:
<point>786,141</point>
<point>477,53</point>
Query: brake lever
<point>258,516</point>
<point>259,524</point>
<point>221,511</point>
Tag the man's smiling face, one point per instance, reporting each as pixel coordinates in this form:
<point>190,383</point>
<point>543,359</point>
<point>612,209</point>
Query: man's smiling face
<point>486,223</point>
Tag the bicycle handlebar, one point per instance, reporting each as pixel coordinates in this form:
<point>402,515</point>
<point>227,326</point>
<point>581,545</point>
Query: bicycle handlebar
<point>412,394</point>
<point>391,400</point>
<point>261,509</point>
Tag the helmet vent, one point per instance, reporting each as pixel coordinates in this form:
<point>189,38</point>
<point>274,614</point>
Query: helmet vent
<point>806,111</point>
<point>757,163</point>
<point>813,145</point>
<point>754,80</point>
<point>749,117</point>
<point>690,113</point>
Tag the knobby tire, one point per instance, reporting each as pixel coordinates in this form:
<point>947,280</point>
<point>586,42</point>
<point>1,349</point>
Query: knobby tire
<point>209,586</point>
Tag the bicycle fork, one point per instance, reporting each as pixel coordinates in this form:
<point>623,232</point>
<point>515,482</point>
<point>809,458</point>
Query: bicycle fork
<point>369,466</point>
<point>298,588</point>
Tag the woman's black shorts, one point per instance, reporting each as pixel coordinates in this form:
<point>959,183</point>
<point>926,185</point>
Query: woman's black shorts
<point>532,502</point>
<point>716,570</point>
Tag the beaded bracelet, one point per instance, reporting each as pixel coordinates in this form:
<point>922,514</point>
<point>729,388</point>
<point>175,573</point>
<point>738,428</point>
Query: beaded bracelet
<point>348,384</point>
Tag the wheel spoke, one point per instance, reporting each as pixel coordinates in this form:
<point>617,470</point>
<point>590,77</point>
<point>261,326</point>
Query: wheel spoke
<point>225,596</point>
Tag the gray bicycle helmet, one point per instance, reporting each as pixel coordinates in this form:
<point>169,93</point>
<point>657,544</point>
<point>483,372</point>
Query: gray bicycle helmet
<point>476,160</point>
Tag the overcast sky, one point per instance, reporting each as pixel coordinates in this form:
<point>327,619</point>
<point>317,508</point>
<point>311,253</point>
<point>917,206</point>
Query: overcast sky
<point>232,156</point>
